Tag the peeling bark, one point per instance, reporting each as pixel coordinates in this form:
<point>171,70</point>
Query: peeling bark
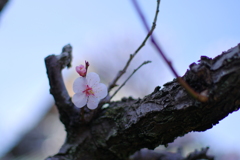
<point>126,126</point>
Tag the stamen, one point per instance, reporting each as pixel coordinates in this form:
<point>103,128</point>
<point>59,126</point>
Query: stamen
<point>88,91</point>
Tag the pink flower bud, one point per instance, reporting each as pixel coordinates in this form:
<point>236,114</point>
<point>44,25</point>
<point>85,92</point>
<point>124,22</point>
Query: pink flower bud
<point>81,70</point>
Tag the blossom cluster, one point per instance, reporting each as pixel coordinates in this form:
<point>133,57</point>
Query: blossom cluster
<point>88,89</point>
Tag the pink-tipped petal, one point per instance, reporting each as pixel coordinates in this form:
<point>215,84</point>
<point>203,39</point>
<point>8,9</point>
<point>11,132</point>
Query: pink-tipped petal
<point>100,91</point>
<point>79,84</point>
<point>79,68</point>
<point>92,102</point>
<point>92,79</point>
<point>79,100</point>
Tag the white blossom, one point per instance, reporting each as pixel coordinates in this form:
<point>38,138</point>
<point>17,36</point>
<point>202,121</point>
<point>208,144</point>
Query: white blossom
<point>88,91</point>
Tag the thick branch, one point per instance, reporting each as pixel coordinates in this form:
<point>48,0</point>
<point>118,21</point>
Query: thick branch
<point>129,125</point>
<point>54,65</point>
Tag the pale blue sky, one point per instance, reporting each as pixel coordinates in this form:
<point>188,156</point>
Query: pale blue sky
<point>31,30</point>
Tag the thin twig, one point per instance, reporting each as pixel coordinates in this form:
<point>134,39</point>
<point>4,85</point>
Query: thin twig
<point>121,72</point>
<point>135,70</point>
<point>163,55</point>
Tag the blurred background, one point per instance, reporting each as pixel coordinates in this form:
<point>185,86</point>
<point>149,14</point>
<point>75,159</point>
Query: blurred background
<point>104,33</point>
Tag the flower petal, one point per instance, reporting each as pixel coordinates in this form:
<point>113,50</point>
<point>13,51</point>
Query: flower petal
<point>79,99</point>
<point>92,79</point>
<point>100,91</point>
<point>79,84</point>
<point>92,102</point>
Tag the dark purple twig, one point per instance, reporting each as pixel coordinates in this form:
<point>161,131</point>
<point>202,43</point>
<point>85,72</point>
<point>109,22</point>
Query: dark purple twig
<point>136,5</point>
<point>163,55</point>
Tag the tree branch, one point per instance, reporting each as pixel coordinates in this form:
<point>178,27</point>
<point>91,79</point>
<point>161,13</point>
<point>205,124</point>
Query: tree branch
<point>121,72</point>
<point>135,70</point>
<point>202,154</point>
<point>145,154</point>
<point>127,126</point>
<point>54,65</point>
<point>3,4</point>
<point>194,94</point>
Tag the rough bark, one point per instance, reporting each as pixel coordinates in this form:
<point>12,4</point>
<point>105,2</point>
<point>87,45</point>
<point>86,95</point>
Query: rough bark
<point>126,126</point>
